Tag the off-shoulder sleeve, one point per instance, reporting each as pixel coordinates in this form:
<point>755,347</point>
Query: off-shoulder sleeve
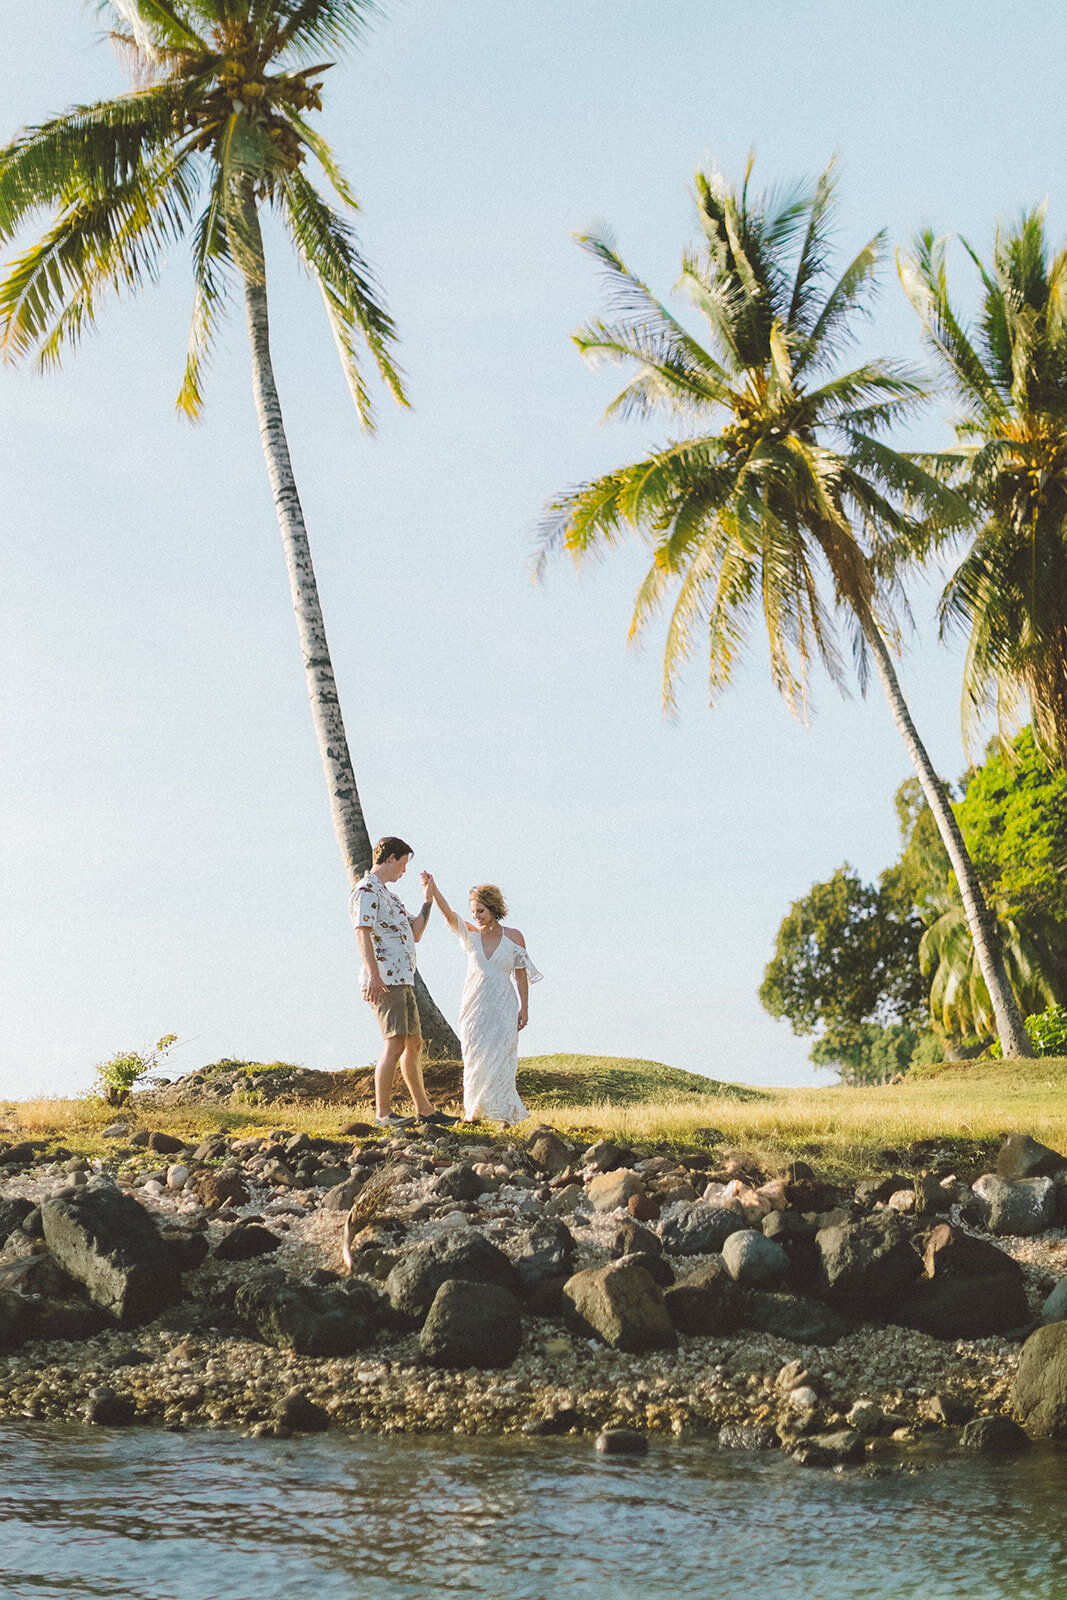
<point>522,959</point>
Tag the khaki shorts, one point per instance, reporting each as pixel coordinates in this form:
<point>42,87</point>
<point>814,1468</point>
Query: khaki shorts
<point>397,1011</point>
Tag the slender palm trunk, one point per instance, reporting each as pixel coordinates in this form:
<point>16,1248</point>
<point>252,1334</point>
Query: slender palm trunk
<point>348,821</point>
<point>1014,1040</point>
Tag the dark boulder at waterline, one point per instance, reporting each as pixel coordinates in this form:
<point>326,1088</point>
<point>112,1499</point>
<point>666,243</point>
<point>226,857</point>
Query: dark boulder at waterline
<point>1039,1392</point>
<point>109,1243</point>
<point>471,1325</point>
<point>307,1320</point>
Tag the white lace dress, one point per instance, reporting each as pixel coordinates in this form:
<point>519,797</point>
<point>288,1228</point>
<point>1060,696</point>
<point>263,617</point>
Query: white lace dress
<point>488,1027</point>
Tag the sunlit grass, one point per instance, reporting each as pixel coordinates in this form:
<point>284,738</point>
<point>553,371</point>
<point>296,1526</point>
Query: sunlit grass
<point>841,1131</point>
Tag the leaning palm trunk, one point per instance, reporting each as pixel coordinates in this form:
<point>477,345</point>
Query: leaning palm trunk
<point>1014,1039</point>
<point>348,821</point>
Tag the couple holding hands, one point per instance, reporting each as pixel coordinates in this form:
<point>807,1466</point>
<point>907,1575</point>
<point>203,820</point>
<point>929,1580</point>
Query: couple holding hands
<point>495,999</point>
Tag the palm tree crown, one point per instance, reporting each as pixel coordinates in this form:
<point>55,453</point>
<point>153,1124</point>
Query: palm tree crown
<point>216,126</point>
<point>783,484</point>
<point>1009,378</point>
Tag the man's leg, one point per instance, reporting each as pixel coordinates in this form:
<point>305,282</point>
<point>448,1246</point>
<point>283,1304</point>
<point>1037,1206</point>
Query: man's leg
<point>385,1072</point>
<point>411,1072</point>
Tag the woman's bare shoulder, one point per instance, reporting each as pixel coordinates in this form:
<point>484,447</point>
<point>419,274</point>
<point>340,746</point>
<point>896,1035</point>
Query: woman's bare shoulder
<point>515,936</point>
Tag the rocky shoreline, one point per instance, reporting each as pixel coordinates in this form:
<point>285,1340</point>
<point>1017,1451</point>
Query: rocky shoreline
<point>455,1281</point>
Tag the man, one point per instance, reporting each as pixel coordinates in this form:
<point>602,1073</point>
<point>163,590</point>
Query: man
<point>387,937</point>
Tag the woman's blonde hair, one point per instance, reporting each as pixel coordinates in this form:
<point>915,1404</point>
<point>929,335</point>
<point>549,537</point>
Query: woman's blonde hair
<point>488,895</point>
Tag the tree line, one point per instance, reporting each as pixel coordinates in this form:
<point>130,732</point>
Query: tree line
<point>883,975</point>
<point>776,502</point>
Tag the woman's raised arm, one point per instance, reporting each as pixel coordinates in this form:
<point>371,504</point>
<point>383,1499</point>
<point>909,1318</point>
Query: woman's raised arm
<point>442,904</point>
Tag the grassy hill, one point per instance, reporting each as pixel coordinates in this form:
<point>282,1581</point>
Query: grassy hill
<point>617,1080</point>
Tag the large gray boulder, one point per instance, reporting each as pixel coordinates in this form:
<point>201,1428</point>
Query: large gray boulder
<point>755,1261</point>
<point>547,1252</point>
<point>547,1152</point>
<point>706,1302</point>
<point>341,1195</point>
<point>308,1320</point>
<point>1039,1392</point>
<point>420,1272</point>
<point>866,1266</point>
<point>997,1436</point>
<point>621,1305</point>
<point>1015,1208</point>
<point>951,1252</point>
<point>109,1243</point>
<point>1055,1306</point>
<point>1021,1156</point>
<point>471,1325</point>
<point>699,1229</point>
<point>458,1182</point>
<point>845,1448</point>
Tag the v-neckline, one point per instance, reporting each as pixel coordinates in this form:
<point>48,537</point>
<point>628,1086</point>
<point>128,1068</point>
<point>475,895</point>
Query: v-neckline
<point>489,954</point>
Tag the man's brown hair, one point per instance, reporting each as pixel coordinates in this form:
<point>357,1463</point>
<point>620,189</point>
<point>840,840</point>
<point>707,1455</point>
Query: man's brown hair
<point>390,849</point>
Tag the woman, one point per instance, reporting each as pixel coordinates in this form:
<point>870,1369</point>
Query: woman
<point>489,1023</point>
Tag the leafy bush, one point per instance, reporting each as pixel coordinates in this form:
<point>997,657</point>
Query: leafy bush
<point>117,1076</point>
<point>1047,1030</point>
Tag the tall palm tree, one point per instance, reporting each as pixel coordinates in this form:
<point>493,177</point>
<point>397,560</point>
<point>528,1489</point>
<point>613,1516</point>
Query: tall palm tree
<point>783,488</point>
<point>215,129</point>
<point>1009,378</point>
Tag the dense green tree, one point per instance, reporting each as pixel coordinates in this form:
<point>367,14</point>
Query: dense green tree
<point>869,1053</point>
<point>217,129</point>
<point>852,960</point>
<point>1009,376</point>
<point>846,955</point>
<point>1014,819</point>
<point>783,504</point>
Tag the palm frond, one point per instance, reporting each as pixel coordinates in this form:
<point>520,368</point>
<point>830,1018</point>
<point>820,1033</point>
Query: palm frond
<point>326,160</point>
<point>116,241</point>
<point>155,23</point>
<point>328,248</point>
<point>814,251</point>
<point>211,255</point>
<point>308,26</point>
<point>89,151</point>
<point>831,331</point>
<point>923,276</point>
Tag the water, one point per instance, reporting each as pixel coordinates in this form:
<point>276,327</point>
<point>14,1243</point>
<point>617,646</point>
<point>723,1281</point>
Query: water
<point>155,1516</point>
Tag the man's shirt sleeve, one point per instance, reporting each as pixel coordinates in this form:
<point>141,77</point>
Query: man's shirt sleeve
<point>364,908</point>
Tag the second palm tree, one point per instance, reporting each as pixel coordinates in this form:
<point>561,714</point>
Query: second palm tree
<point>784,502</point>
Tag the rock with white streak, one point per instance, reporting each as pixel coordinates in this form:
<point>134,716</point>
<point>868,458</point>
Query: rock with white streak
<point>1015,1208</point>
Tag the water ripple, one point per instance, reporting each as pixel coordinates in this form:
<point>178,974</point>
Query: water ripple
<point>151,1516</point>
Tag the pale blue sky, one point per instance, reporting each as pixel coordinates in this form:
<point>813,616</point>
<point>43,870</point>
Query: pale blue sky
<point>166,856</point>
